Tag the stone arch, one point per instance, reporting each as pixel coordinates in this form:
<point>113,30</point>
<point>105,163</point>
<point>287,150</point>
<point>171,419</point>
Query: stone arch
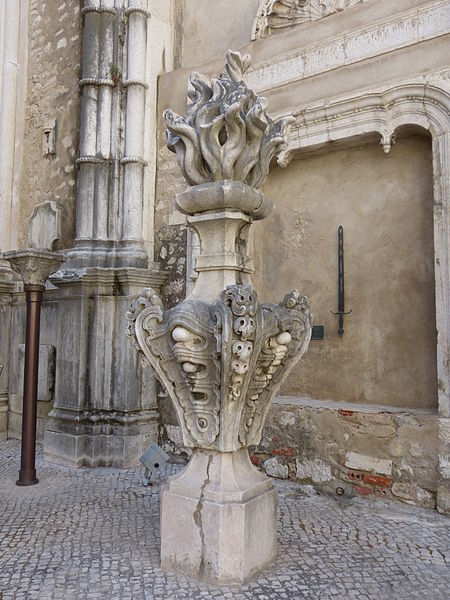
<point>383,113</point>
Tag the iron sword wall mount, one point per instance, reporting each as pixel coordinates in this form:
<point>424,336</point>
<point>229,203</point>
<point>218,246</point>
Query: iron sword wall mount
<point>341,312</point>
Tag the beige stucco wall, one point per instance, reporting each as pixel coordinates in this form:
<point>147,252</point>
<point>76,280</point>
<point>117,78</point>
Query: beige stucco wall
<point>384,202</point>
<point>206,29</point>
<point>52,93</point>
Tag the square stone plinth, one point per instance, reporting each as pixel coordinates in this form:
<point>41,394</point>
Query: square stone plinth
<point>218,519</point>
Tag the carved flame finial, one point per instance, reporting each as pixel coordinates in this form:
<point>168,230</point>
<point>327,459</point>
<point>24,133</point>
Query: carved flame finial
<point>226,132</point>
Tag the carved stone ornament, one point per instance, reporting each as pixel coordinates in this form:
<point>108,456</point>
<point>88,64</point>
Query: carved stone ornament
<point>221,354</point>
<point>226,132</point>
<point>276,14</point>
<point>34,266</point>
<point>221,364</point>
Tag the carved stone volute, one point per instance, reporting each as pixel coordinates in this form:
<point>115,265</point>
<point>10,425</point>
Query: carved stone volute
<point>222,363</point>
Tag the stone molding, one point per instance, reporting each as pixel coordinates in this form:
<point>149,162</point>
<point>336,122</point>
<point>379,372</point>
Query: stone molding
<point>278,14</point>
<point>402,30</point>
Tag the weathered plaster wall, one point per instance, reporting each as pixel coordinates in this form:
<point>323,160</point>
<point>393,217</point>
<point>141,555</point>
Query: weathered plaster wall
<point>387,354</point>
<point>206,28</point>
<point>52,93</point>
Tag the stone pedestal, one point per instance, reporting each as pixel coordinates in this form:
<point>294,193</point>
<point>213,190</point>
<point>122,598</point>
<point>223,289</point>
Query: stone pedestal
<point>105,411</point>
<point>221,354</point>
<point>218,518</point>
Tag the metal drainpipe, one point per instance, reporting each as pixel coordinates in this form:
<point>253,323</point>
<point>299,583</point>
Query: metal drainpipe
<point>27,474</point>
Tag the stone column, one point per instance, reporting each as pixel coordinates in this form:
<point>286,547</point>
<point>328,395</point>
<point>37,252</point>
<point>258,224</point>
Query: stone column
<point>97,161</point>
<point>110,183</point>
<point>221,354</point>
<point>133,162</point>
<point>105,410</point>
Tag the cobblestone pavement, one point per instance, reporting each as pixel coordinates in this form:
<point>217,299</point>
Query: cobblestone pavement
<point>94,534</point>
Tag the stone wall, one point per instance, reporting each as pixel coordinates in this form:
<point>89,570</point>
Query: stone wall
<point>205,28</point>
<point>359,413</point>
<point>54,52</point>
<point>342,448</point>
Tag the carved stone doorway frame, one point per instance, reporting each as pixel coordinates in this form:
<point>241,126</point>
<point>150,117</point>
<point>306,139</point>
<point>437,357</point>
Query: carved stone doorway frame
<point>383,113</point>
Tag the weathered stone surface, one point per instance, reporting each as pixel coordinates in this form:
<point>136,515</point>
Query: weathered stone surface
<point>273,14</point>
<point>221,354</point>
<point>274,468</point>
<point>44,227</point>
<point>225,133</point>
<point>257,345</point>
<point>34,266</point>
<point>105,410</point>
<point>217,519</point>
<point>413,494</point>
<point>52,93</point>
<point>353,460</point>
<point>224,195</point>
<point>46,376</point>
<point>315,469</point>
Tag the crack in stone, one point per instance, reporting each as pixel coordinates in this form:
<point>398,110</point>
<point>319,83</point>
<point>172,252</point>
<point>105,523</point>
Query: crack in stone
<point>198,516</point>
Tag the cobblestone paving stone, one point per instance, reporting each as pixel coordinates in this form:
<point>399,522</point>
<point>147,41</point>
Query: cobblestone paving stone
<point>87,534</point>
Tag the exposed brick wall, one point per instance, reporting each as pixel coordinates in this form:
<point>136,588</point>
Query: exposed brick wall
<point>396,452</point>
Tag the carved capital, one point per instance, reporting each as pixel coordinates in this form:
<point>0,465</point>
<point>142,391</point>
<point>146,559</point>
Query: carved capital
<point>34,266</point>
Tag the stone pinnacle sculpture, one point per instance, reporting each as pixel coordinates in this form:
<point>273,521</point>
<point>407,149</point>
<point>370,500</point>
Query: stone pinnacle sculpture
<point>221,354</point>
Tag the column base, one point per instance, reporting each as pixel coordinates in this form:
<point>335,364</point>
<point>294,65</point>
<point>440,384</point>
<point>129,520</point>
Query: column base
<point>99,440</point>
<point>218,518</point>
<point>27,479</point>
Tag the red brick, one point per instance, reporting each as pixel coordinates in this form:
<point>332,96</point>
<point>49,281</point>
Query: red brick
<point>284,452</point>
<point>345,413</point>
<point>362,491</point>
<point>357,476</point>
<point>254,459</point>
<point>377,480</point>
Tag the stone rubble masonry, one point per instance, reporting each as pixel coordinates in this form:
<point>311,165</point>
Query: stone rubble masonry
<point>54,54</point>
<point>364,453</point>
